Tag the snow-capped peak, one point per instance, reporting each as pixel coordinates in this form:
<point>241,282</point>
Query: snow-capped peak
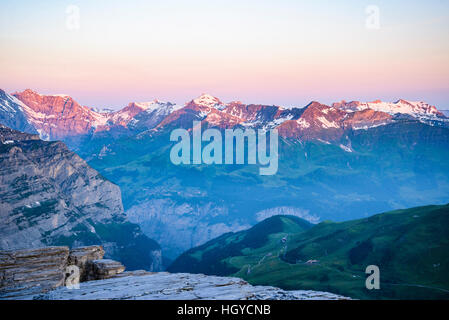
<point>413,108</point>
<point>29,91</point>
<point>150,104</point>
<point>102,110</point>
<point>207,100</point>
<point>417,107</point>
<point>156,104</point>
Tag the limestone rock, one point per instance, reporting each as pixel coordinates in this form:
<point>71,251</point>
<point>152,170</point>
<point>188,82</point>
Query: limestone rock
<point>25,272</point>
<point>37,274</point>
<point>104,269</point>
<point>176,286</point>
<point>81,257</point>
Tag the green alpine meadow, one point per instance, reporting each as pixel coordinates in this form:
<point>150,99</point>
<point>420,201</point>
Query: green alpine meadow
<point>410,247</point>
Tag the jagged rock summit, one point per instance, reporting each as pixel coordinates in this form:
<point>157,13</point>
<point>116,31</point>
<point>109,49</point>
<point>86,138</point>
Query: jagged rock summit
<point>61,117</point>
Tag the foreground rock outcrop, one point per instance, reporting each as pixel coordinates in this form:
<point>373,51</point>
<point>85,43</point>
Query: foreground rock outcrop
<point>104,269</point>
<point>82,258</point>
<point>25,273</point>
<point>32,271</point>
<point>46,274</point>
<point>179,286</point>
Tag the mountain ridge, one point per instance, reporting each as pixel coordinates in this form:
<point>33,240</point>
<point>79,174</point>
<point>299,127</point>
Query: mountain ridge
<point>61,117</point>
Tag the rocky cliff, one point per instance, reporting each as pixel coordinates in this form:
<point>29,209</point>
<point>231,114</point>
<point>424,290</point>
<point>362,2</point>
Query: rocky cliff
<point>50,196</point>
<point>29,272</point>
<point>12,113</point>
<point>45,274</point>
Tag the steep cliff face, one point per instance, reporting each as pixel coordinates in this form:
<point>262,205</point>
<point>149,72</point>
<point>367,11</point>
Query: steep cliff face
<point>50,196</point>
<point>12,113</point>
<point>60,117</point>
<point>57,116</point>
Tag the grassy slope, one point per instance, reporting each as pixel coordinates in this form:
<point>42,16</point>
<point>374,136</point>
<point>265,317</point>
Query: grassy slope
<point>411,248</point>
<point>242,248</point>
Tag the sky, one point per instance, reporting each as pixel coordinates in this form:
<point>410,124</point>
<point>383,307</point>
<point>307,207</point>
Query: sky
<point>106,54</point>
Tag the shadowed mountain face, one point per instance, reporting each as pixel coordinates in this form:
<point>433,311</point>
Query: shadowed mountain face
<point>50,196</point>
<point>409,247</point>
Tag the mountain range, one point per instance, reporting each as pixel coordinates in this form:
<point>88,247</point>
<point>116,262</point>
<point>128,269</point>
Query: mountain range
<point>340,161</point>
<point>59,116</point>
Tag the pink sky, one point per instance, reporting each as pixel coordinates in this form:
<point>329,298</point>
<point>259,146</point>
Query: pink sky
<point>266,52</point>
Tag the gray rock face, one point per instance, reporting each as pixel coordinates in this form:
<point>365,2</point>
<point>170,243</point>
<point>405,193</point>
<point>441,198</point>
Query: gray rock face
<point>104,269</point>
<point>81,257</point>
<point>12,113</point>
<point>179,286</point>
<point>50,196</point>
<point>41,274</point>
<point>46,192</point>
<point>26,272</point>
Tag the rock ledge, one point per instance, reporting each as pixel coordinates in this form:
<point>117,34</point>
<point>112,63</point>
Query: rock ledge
<point>179,286</point>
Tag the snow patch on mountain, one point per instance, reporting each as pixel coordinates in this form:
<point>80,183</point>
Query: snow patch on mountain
<point>345,148</point>
<point>207,100</point>
<point>157,105</point>
<point>326,123</point>
<point>292,211</point>
<point>43,135</point>
<point>102,110</point>
<point>271,124</point>
<point>366,127</point>
<point>303,123</point>
<point>413,108</point>
<point>100,119</point>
